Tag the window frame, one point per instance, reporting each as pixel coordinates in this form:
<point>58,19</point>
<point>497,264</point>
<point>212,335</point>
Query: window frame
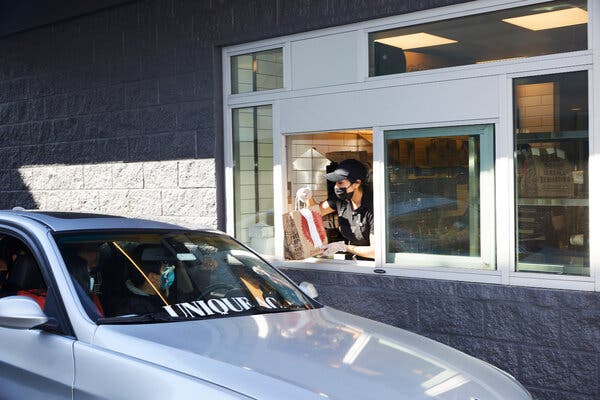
<point>285,48</point>
<point>487,207</point>
<point>503,71</point>
<point>485,6</point>
<point>52,289</point>
<point>555,281</point>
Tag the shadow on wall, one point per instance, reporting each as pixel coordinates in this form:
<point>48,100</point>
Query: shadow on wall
<point>111,104</point>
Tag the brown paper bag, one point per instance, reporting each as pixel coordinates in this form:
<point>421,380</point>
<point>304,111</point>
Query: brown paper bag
<point>297,241</point>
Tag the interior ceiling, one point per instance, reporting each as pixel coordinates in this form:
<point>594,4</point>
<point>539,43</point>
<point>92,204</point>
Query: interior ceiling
<point>501,39</point>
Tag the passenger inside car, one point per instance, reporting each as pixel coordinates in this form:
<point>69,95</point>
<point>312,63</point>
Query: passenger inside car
<point>150,279</point>
<point>23,276</point>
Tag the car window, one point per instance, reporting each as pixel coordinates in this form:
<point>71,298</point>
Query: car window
<point>20,275</point>
<point>147,276</point>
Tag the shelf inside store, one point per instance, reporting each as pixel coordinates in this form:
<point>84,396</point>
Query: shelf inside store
<point>523,138</point>
<point>553,202</point>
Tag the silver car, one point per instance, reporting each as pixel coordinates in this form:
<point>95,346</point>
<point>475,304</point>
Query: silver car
<point>100,307</point>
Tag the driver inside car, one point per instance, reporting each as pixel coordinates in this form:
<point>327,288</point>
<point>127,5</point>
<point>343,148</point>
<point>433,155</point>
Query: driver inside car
<point>148,288</point>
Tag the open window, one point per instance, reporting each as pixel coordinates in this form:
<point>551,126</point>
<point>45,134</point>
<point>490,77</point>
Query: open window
<point>21,275</point>
<point>311,156</point>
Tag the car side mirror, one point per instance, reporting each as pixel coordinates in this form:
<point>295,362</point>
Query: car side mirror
<point>21,312</point>
<point>309,289</point>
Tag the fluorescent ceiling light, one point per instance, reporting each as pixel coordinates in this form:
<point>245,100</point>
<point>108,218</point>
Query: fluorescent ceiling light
<point>415,41</point>
<point>550,20</point>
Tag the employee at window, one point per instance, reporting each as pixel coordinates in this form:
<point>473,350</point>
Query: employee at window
<point>354,206</point>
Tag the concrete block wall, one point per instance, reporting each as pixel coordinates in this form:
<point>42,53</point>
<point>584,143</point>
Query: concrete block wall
<point>548,339</point>
<point>182,192</point>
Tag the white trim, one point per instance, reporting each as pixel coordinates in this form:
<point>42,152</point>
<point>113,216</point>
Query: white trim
<point>279,177</point>
<point>228,149</point>
<point>525,67</point>
<point>505,247</point>
<point>379,194</point>
<point>593,170</point>
<point>594,143</point>
<point>362,62</point>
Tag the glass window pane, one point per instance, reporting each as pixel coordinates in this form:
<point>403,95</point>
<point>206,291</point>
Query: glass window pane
<point>433,191</point>
<point>551,166</point>
<point>534,30</point>
<point>253,72</point>
<point>253,177</point>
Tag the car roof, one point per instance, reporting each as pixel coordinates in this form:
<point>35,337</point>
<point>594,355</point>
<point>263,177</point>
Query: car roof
<point>73,221</point>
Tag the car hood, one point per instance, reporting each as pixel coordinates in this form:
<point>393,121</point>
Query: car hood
<point>312,354</point>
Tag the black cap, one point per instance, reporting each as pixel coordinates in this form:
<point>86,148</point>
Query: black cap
<point>348,169</point>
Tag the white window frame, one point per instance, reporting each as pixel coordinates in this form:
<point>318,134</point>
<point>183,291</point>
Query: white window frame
<point>504,71</point>
<point>487,206</point>
<point>284,46</point>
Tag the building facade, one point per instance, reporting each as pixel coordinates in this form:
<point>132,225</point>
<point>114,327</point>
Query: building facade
<point>476,120</point>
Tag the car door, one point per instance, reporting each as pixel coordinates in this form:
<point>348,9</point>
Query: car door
<point>35,363</point>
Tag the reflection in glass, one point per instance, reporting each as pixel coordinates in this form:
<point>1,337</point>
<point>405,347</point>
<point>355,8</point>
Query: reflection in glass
<point>433,200</point>
<point>258,71</point>
<point>551,167</point>
<point>253,177</point>
<point>533,30</point>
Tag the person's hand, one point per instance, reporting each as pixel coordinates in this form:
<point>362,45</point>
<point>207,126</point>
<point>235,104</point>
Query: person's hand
<point>304,194</point>
<point>333,248</point>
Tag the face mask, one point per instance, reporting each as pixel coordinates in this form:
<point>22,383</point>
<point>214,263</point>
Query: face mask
<point>167,277</point>
<point>342,193</point>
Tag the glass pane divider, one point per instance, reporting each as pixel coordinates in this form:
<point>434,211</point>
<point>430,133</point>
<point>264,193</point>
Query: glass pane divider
<point>594,142</point>
<point>379,196</point>
<point>279,179</point>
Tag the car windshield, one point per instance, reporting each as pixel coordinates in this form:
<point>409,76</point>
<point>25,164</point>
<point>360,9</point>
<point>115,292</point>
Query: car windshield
<point>149,276</point>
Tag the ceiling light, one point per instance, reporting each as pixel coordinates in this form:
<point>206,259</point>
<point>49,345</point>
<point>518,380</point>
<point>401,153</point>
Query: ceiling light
<point>551,20</point>
<point>415,41</point>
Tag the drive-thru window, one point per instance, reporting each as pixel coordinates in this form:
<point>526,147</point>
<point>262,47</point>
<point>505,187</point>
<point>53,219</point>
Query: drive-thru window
<point>475,125</point>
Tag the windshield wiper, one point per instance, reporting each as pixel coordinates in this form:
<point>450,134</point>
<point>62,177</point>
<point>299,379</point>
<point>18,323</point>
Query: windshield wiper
<point>138,319</point>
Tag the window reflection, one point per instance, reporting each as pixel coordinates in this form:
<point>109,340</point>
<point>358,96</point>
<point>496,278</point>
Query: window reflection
<point>253,177</point>
<point>258,71</point>
<point>534,30</point>
<point>551,164</point>
<point>433,191</point>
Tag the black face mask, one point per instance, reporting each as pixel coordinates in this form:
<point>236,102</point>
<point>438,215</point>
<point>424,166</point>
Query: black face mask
<point>342,194</point>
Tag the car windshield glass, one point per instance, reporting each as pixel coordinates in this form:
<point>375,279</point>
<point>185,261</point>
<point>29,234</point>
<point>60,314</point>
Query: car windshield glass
<point>146,276</point>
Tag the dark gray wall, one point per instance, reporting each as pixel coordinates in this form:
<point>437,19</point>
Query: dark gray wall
<point>548,339</point>
<point>19,15</point>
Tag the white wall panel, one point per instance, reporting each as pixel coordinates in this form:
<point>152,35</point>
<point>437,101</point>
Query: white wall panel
<point>323,61</point>
<point>455,100</point>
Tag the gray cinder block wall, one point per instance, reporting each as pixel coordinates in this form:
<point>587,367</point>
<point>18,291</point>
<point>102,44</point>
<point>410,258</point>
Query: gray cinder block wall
<point>119,111</point>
